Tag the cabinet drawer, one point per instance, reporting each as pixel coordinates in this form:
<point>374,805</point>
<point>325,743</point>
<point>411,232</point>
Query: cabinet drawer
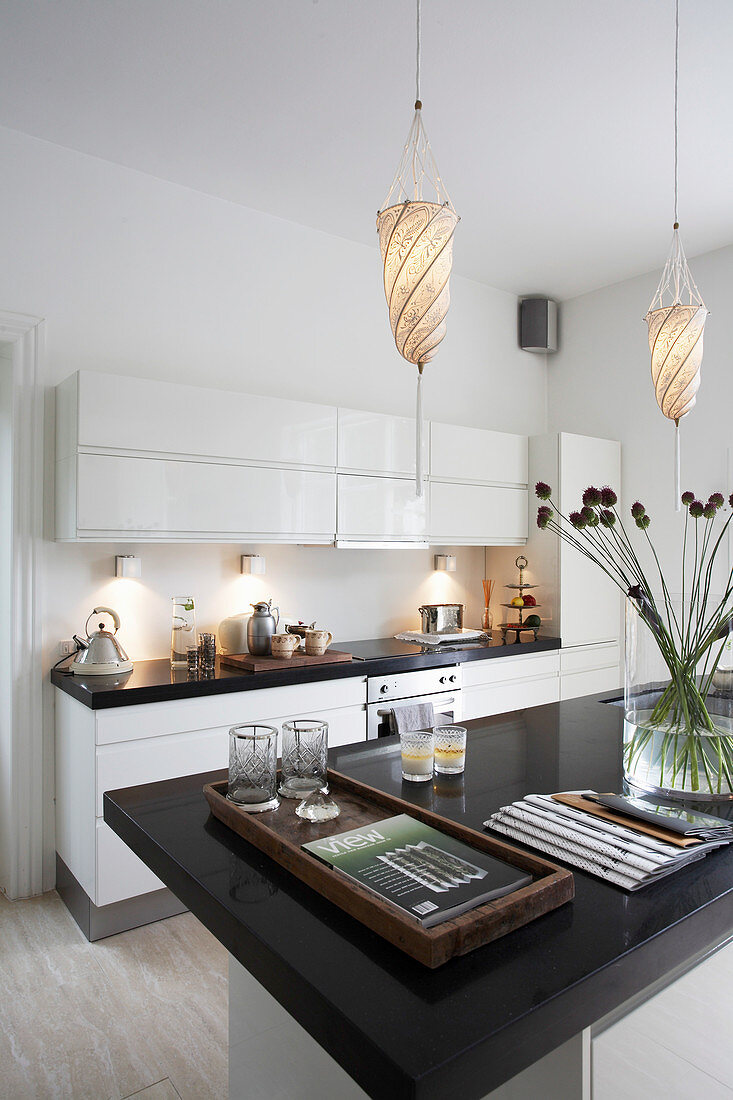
<point>120,874</point>
<point>152,497</point>
<point>157,719</point>
<point>575,684</point>
<point>587,657</point>
<point>129,764</point>
<point>488,699</point>
<point>380,508</point>
<point>477,514</point>
<point>503,669</point>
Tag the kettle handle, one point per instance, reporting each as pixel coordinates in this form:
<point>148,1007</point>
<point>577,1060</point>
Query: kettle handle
<point>101,611</point>
<point>277,617</point>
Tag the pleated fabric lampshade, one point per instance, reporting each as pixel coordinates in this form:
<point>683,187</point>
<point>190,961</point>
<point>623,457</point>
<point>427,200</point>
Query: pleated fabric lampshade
<point>676,319</point>
<point>416,225</point>
<point>416,242</point>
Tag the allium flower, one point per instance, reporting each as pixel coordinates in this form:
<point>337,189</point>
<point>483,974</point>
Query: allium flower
<point>709,510</point>
<point>543,490</point>
<point>716,499</point>
<point>607,518</point>
<point>592,497</point>
<point>643,522</point>
<point>687,498</point>
<point>587,513</point>
<point>542,519</point>
<point>593,519</point>
<point>637,510</point>
<point>696,509</point>
<point>577,521</point>
<point>730,500</point>
<point>608,497</point>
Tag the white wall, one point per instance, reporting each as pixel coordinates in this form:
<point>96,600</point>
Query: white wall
<point>136,275</point>
<point>6,444</point>
<point>599,384</point>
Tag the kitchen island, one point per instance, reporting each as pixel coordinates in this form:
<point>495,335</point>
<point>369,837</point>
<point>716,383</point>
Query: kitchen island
<point>398,1029</point>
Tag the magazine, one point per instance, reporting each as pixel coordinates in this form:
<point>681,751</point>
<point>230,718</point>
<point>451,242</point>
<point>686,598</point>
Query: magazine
<point>428,875</point>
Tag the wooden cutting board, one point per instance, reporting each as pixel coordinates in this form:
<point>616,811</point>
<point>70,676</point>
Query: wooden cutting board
<point>250,663</point>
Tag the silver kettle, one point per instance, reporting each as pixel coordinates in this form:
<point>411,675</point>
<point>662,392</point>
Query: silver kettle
<point>100,653</point>
<point>260,628</point>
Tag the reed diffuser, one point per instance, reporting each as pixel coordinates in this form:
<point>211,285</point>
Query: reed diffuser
<point>487,622</point>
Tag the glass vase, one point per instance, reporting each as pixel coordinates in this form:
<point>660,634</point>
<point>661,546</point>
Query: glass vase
<point>678,707</point>
<point>183,630</point>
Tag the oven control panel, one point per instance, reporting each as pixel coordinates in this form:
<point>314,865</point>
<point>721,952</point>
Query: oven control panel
<point>408,685</point>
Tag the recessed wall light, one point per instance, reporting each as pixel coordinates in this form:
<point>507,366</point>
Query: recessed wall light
<point>252,563</point>
<point>127,565</point>
<point>445,562</point>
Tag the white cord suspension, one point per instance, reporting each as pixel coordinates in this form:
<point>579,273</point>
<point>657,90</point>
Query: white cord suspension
<point>677,478</point>
<point>418,438</point>
<point>676,111</point>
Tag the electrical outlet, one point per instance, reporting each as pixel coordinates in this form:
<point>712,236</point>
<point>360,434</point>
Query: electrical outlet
<point>66,647</point>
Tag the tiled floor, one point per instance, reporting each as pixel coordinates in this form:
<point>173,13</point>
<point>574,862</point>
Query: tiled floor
<point>140,1014</point>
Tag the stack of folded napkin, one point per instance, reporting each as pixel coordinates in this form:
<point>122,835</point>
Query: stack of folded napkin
<point>622,854</point>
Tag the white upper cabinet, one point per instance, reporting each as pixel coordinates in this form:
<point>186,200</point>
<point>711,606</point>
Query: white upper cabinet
<point>477,515</point>
<point>139,459</point>
<point>478,486</point>
<point>119,413</point>
<point>379,444</point>
<point>380,508</point>
<point>473,454</point>
<point>149,498</point>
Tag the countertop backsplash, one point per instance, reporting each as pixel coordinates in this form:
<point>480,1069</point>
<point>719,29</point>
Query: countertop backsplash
<point>353,593</point>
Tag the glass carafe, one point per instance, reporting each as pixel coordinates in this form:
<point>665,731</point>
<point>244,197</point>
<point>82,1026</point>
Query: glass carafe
<point>183,629</point>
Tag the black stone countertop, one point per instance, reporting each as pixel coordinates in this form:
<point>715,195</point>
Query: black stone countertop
<point>156,682</point>
<point>399,1029</point>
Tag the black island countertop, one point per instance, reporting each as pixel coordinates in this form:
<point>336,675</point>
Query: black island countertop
<point>401,1030</point>
<point>156,682</point>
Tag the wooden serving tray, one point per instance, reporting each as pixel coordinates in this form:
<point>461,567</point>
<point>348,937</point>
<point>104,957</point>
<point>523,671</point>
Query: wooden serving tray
<point>280,834</point>
<point>267,664</point>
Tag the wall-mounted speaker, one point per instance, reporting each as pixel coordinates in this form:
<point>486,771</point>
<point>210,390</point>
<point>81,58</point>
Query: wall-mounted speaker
<point>538,324</point>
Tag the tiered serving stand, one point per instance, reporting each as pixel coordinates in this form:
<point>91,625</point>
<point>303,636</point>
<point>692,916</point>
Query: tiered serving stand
<point>519,627</point>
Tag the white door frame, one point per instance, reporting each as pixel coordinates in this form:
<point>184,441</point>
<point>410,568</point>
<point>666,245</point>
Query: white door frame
<point>23,846</point>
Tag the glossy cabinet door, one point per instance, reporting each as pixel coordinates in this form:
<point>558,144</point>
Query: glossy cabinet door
<point>119,413</point>
<point>376,443</point>
<point>154,498</point>
<point>477,515</point>
<point>474,454</point>
<point>591,603</point>
<point>380,509</point>
<point>510,683</point>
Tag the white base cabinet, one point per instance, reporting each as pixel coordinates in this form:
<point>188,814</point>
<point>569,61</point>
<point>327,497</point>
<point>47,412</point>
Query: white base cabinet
<point>588,669</point>
<point>510,683</point>
<point>98,751</point>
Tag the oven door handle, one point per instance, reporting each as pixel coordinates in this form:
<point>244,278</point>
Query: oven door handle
<point>386,713</point>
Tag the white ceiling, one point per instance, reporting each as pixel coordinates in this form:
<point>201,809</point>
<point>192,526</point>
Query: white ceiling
<point>551,119</point>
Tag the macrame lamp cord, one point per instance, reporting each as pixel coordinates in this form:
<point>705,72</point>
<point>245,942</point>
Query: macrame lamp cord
<point>416,244</point>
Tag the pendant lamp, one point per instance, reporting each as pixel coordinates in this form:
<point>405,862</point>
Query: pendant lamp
<point>415,225</point>
<point>676,316</point>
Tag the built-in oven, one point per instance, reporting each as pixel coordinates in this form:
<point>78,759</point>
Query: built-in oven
<point>439,686</point>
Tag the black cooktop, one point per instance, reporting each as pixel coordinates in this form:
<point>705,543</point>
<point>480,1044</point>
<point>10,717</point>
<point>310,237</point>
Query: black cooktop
<point>380,648</point>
